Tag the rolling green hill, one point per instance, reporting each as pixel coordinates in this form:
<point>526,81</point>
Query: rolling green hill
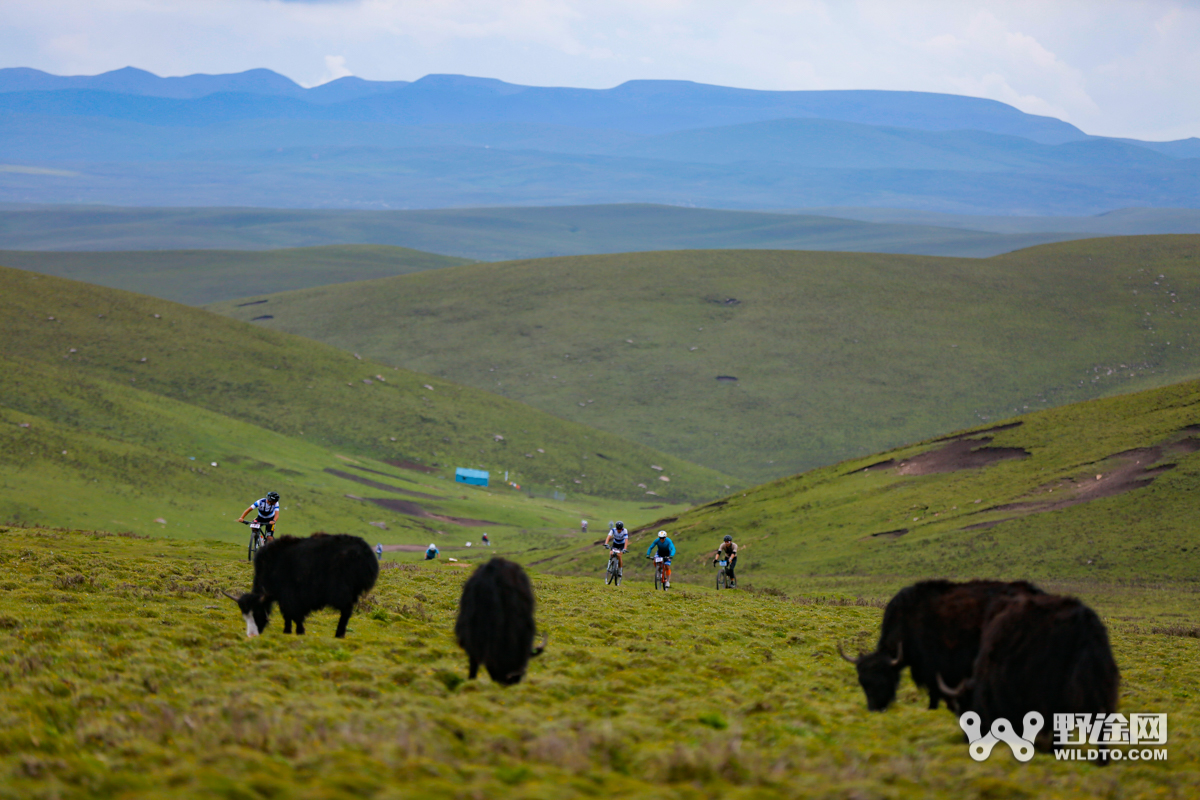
<point>835,355</point>
<point>83,452</point>
<point>1100,493</point>
<point>312,393</point>
<point>196,277</point>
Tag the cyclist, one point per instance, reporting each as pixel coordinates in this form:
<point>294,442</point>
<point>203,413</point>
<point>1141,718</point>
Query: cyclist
<point>432,552</point>
<point>268,513</point>
<point>728,551</point>
<point>618,539</point>
<point>583,526</point>
<point>665,548</point>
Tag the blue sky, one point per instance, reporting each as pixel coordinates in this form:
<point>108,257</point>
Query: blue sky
<point>1124,68</point>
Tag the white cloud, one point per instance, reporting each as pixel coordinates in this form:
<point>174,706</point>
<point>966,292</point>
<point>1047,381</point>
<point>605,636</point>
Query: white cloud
<point>1111,67</point>
<point>335,67</point>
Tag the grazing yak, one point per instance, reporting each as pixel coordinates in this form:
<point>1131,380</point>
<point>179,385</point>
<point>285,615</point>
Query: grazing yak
<point>305,575</point>
<point>933,628</point>
<point>495,621</point>
<point>1043,653</point>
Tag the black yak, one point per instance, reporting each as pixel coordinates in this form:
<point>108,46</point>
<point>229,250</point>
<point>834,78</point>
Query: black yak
<point>305,575</point>
<point>495,621</point>
<point>933,628</point>
<point>1043,653</point>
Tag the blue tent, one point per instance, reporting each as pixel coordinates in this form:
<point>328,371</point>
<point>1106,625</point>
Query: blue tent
<point>475,477</point>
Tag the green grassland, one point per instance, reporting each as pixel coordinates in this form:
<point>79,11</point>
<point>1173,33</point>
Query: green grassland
<point>126,674</point>
<point>55,333</point>
<point>1104,503</point>
<point>196,277</point>
<point>836,355</point>
<point>105,456</point>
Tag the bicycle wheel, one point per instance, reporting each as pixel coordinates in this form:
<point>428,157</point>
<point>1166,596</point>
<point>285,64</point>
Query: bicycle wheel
<point>252,548</point>
<point>719,581</point>
<point>658,578</point>
<point>610,573</point>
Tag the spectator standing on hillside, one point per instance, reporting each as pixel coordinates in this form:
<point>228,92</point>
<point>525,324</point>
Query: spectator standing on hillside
<point>432,552</point>
<point>379,550</point>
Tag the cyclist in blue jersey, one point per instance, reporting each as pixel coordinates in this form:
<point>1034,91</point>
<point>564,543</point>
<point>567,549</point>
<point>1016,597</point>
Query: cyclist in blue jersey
<point>664,547</point>
<point>618,539</point>
<point>267,509</point>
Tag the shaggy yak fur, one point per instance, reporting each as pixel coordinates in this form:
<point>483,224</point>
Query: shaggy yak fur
<point>933,628</point>
<point>495,621</point>
<point>1043,653</point>
<point>305,575</point>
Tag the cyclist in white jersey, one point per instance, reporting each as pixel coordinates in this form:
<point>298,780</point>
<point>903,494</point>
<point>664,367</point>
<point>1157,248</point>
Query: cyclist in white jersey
<point>618,539</point>
<point>268,512</point>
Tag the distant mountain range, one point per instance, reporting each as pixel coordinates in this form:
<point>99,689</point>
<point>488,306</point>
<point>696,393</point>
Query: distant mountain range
<point>129,137</point>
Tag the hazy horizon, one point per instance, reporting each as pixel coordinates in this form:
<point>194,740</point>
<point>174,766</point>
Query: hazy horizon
<point>1112,69</point>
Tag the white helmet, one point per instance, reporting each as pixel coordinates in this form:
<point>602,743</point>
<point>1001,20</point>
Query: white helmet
<point>432,546</point>
<point>662,534</point>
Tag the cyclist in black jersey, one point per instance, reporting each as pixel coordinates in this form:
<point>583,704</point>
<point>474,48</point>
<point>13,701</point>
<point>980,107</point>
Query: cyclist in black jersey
<point>728,550</point>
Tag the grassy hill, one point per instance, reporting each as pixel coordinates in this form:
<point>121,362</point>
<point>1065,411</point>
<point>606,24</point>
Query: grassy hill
<point>196,277</point>
<point>76,451</point>
<point>488,234</point>
<point>296,388</point>
<point>1100,493</point>
<point>835,355</point>
<point>127,674</point>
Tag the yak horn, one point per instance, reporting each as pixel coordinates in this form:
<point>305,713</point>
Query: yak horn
<point>899,655</point>
<point>537,651</point>
<point>946,690</point>
<point>227,594</point>
<point>842,653</point>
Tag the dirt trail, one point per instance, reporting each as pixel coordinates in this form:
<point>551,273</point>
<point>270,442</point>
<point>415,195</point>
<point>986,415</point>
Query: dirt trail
<point>377,485</point>
<point>414,510</point>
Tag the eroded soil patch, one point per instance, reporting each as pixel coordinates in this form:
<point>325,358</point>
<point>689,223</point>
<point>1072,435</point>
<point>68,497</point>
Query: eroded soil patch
<point>958,454</point>
<point>1119,473</point>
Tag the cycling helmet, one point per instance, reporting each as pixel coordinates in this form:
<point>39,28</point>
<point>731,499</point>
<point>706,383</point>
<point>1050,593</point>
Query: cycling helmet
<point>728,538</point>
<point>662,534</point>
<point>432,546</point>
<point>273,497</point>
<point>620,526</point>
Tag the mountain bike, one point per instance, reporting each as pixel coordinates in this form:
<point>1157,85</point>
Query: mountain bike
<point>612,575</point>
<point>660,566</point>
<point>258,538</point>
<point>723,581</point>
